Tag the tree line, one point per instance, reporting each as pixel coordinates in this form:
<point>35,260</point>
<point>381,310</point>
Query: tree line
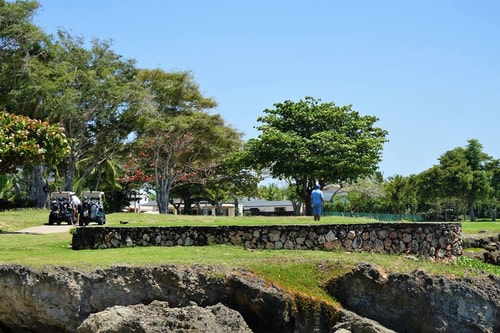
<point>121,127</point>
<point>464,185</point>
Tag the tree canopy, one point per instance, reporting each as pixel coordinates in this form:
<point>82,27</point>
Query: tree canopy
<point>89,91</point>
<point>25,142</point>
<point>177,141</point>
<point>106,105</point>
<point>309,141</point>
<point>463,174</point>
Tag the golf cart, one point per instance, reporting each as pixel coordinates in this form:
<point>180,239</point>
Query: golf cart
<point>92,208</point>
<point>61,208</point>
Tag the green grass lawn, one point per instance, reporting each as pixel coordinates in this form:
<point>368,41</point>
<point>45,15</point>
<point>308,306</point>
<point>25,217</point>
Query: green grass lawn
<point>296,271</point>
<point>20,219</point>
<point>11,221</point>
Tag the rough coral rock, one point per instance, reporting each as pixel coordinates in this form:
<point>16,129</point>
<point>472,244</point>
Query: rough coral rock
<point>158,317</point>
<point>400,301</point>
<point>59,299</point>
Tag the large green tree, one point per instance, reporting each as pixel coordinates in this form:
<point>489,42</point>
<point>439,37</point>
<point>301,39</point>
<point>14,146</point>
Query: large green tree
<point>401,194</point>
<point>24,54</point>
<point>309,141</point>
<point>175,137</point>
<point>492,202</point>
<point>464,174</point>
<point>87,90</point>
<point>173,148</point>
<point>90,94</point>
<point>239,180</point>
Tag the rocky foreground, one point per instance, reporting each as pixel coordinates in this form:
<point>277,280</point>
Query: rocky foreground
<point>209,299</point>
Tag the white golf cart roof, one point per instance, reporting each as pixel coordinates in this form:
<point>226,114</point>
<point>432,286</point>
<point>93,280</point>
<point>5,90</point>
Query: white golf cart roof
<point>93,194</point>
<point>63,194</point>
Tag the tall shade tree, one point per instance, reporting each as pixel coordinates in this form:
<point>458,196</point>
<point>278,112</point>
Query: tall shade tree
<point>309,141</point>
<point>90,93</point>
<point>24,54</point>
<point>173,147</point>
<point>401,194</point>
<point>172,93</point>
<point>57,78</point>
<point>217,182</point>
<point>175,136</point>
<point>241,181</point>
<point>464,174</point>
<point>493,168</point>
<point>433,197</point>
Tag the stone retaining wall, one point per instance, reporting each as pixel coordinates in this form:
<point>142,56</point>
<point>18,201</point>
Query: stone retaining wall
<point>435,240</point>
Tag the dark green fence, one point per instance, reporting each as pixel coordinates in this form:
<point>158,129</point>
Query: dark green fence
<point>380,216</point>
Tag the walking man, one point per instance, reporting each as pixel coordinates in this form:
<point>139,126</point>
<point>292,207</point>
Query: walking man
<point>317,201</point>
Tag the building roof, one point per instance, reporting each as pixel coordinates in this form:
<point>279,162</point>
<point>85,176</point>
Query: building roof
<point>255,202</point>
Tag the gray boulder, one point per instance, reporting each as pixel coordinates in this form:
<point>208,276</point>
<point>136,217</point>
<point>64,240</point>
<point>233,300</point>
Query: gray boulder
<point>158,317</point>
<point>420,302</point>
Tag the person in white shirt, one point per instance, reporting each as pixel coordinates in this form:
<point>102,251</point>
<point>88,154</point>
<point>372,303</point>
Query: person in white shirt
<point>77,205</point>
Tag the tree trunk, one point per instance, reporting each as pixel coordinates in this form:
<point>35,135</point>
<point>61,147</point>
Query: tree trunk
<point>69,175</point>
<point>188,203</point>
<point>38,185</point>
<point>177,207</point>
<point>472,214</point>
<point>492,212</point>
<point>308,205</point>
<point>296,207</point>
<point>306,197</point>
<point>218,208</point>
<point>236,207</point>
<point>163,190</point>
<point>304,193</point>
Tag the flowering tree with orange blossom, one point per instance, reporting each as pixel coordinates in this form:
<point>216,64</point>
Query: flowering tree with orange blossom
<point>176,151</point>
<point>176,138</point>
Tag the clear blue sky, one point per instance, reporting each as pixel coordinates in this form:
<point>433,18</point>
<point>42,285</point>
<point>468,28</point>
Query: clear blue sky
<point>428,69</point>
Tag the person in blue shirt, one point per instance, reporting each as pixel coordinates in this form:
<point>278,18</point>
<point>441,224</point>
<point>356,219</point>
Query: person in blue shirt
<point>317,201</point>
